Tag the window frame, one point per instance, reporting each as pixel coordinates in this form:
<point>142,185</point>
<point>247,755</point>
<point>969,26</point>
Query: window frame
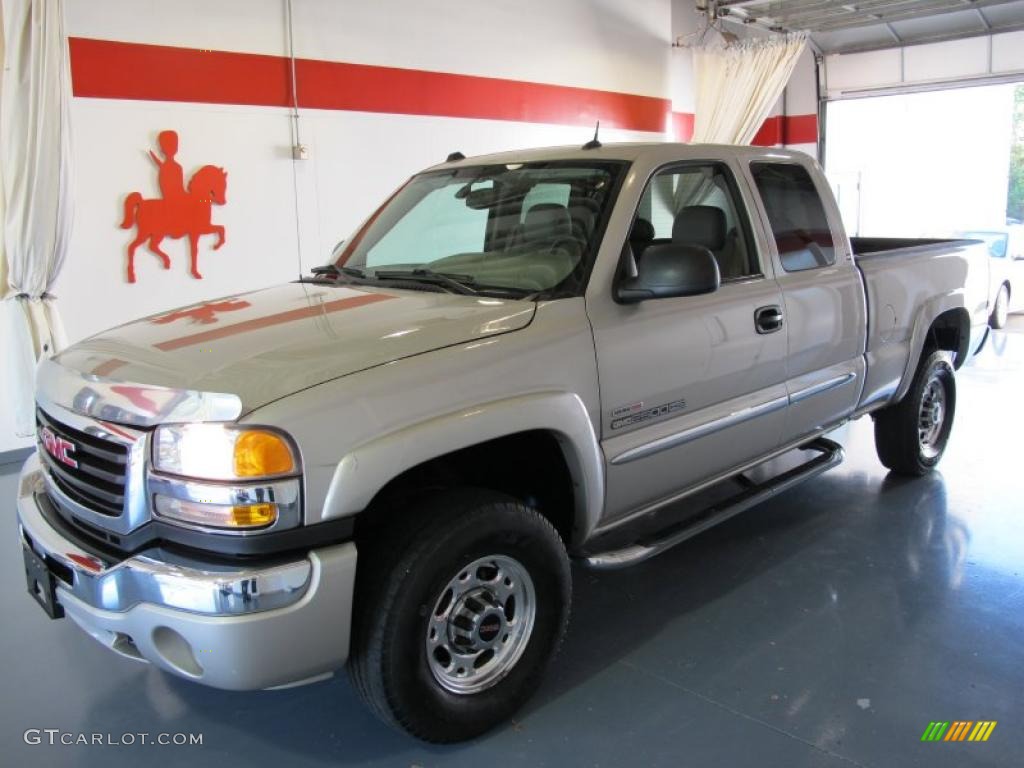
<point>741,206</point>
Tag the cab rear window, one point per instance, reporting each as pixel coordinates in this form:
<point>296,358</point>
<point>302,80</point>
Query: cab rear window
<point>797,217</point>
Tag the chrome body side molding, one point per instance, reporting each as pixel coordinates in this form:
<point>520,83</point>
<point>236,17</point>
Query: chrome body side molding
<point>701,430</point>
<point>731,420</point>
<point>823,386</point>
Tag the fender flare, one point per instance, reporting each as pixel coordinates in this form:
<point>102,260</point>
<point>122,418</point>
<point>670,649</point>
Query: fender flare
<point>366,469</point>
<point>926,315</point>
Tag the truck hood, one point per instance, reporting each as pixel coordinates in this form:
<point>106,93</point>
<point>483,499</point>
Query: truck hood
<point>261,346</point>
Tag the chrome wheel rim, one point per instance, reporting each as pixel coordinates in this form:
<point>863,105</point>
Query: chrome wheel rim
<point>480,624</point>
<point>931,418</point>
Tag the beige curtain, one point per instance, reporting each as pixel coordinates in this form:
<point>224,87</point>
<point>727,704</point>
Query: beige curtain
<point>3,208</point>
<point>35,167</point>
<point>738,84</point>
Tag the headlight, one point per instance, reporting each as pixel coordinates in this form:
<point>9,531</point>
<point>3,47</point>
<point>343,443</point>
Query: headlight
<point>219,452</point>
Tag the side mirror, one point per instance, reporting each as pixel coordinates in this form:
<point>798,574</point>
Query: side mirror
<point>668,271</point>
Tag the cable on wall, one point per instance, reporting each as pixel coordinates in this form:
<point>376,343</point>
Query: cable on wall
<point>299,151</point>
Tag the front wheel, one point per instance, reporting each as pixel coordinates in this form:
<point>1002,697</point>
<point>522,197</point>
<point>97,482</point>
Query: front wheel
<point>456,619</point>
<point>911,435</point>
<point>1001,310</point>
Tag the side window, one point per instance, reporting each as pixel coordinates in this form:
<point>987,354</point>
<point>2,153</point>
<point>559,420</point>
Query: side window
<point>796,214</point>
<point>696,205</point>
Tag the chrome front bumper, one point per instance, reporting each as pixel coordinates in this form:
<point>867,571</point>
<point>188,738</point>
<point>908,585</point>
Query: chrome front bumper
<point>237,627</point>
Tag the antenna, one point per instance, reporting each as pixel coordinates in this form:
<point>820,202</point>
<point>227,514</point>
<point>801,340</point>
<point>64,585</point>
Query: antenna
<point>455,157</point>
<point>594,143</point>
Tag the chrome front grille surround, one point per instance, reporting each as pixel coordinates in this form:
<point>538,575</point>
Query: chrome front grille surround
<point>96,477</point>
<point>107,488</point>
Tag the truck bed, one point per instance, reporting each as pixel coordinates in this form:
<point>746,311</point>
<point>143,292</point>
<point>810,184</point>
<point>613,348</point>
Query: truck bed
<point>906,280</point>
<point>882,246</point>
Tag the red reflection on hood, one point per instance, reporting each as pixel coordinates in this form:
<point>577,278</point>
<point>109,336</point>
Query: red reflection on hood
<point>137,396</point>
<point>279,318</point>
<point>204,314</point>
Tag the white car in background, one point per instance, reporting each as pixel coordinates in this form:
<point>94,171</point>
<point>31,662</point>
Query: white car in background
<point>1006,249</point>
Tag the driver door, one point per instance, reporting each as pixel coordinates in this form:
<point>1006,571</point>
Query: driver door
<point>691,387</point>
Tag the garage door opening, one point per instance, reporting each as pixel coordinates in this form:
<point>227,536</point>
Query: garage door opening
<point>927,164</point>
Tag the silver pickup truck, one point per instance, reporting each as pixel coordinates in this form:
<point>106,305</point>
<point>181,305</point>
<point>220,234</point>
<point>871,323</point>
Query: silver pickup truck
<point>518,360</point>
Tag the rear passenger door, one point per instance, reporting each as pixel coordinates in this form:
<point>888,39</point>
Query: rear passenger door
<point>690,386</point>
<point>822,293</point>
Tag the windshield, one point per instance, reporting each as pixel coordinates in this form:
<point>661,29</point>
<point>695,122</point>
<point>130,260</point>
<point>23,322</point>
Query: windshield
<point>524,228</point>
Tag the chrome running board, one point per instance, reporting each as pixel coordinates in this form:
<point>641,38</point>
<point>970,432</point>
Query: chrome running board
<point>830,454</point>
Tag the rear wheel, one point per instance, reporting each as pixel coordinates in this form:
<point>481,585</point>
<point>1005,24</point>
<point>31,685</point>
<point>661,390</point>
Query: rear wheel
<point>1001,310</point>
<point>457,618</point>
<point>911,436</point>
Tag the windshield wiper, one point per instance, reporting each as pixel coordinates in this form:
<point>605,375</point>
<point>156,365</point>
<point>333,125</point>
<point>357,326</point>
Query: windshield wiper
<point>463,284</point>
<point>333,270</point>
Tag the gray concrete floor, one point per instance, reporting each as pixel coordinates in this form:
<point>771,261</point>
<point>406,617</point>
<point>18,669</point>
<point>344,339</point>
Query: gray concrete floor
<point>825,628</point>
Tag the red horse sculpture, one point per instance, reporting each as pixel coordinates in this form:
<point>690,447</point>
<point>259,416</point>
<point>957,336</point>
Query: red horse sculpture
<point>176,217</point>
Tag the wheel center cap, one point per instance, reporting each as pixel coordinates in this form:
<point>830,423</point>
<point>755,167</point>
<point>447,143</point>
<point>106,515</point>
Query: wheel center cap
<point>490,627</point>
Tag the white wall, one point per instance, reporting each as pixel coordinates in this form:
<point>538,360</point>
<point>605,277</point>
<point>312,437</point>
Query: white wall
<point>282,216</point>
<point>801,102</point>
<point>601,44</point>
<point>355,158</point>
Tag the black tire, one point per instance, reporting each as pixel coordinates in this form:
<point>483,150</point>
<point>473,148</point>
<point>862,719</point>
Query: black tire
<point>402,575</point>
<point>1000,309</point>
<point>902,442</point>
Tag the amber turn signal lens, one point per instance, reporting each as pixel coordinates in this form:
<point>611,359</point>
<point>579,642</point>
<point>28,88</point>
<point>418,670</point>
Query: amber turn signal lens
<point>253,515</point>
<point>225,516</point>
<point>259,453</point>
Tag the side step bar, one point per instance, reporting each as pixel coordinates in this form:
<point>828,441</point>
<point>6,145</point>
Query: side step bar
<point>830,454</point>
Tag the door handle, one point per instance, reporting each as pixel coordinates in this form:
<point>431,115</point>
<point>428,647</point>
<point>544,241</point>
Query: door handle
<point>768,319</point>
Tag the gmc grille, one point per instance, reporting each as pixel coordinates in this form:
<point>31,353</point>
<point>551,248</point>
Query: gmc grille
<point>98,482</point>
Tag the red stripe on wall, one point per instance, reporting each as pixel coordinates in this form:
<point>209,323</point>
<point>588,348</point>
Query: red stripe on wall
<point>682,125</point>
<point>115,70</point>
<point>111,70</point>
<point>770,133</point>
<point>801,129</point>
<point>791,129</point>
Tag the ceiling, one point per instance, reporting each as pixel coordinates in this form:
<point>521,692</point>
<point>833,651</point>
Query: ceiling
<point>845,26</point>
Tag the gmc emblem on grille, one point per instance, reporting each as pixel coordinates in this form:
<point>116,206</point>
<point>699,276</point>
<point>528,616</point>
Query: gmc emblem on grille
<point>58,447</point>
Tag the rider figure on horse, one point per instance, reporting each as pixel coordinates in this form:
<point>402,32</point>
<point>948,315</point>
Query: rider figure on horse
<point>170,177</point>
